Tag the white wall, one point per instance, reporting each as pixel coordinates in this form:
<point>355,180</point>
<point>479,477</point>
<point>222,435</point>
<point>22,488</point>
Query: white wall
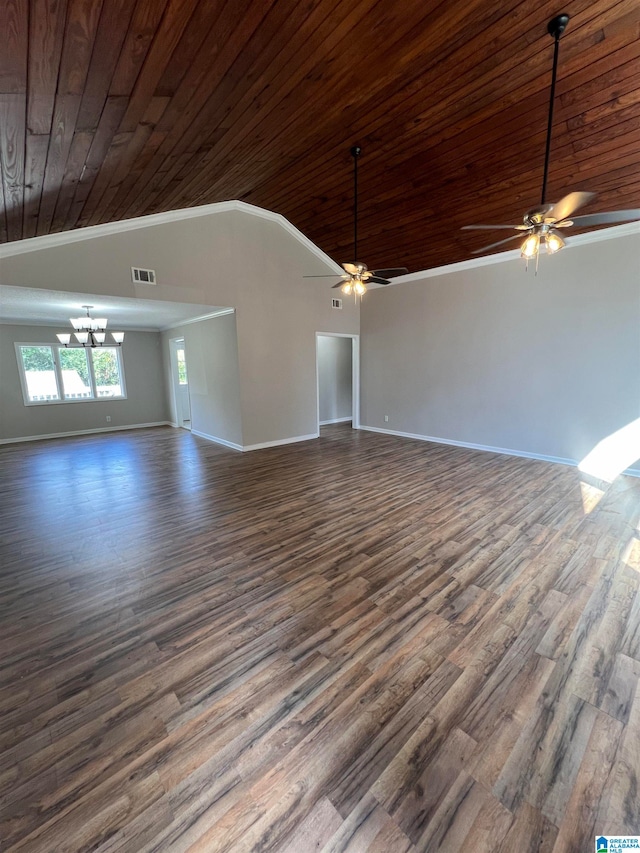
<point>231,258</point>
<point>211,349</point>
<point>146,399</point>
<point>496,356</point>
<point>334,378</point>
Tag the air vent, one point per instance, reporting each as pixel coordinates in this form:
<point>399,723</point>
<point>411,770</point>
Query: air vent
<point>140,276</point>
<point>336,303</point>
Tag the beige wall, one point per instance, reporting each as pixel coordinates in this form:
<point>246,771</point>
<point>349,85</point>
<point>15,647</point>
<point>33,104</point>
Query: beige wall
<point>496,356</point>
<point>146,399</point>
<point>211,350</point>
<point>232,259</point>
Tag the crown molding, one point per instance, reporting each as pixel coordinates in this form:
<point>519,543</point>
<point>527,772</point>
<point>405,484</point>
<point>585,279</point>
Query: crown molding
<point>91,232</point>
<point>221,313</point>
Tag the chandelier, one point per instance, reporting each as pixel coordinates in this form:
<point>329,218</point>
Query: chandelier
<point>89,332</point>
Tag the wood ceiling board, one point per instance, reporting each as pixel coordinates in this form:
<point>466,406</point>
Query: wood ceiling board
<point>12,148</point>
<point>62,134</point>
<point>132,107</point>
<point>80,147</point>
<point>46,35</point>
<point>112,31</point>
<point>35,161</point>
<point>14,26</point>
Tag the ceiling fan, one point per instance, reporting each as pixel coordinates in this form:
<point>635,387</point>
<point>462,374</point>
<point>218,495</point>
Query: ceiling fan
<point>541,224</point>
<point>356,275</point>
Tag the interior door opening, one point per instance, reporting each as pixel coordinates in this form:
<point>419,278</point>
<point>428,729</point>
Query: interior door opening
<point>180,376</point>
<point>337,374</point>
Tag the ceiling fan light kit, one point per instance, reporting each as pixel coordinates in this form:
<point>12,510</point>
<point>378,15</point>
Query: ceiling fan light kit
<point>541,224</point>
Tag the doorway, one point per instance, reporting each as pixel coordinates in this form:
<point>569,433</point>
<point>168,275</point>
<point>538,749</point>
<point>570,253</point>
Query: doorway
<point>337,379</point>
<point>180,377</point>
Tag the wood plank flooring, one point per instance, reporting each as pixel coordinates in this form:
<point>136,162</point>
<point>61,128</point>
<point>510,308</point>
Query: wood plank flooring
<point>360,643</point>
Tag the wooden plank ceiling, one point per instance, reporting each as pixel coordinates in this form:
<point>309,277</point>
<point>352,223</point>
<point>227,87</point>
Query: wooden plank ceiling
<point>111,109</point>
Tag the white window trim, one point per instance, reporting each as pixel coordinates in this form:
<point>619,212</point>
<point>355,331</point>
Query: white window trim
<point>58,371</point>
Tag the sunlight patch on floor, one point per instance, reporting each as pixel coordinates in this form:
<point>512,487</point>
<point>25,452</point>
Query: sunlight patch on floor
<point>591,497</point>
<point>631,554</point>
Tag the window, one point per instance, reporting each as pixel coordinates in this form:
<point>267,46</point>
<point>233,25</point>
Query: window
<point>76,383</point>
<point>39,374</point>
<point>182,367</point>
<point>107,373</point>
<point>58,374</point>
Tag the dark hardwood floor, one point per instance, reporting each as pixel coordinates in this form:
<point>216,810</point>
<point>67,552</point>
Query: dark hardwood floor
<point>360,643</point>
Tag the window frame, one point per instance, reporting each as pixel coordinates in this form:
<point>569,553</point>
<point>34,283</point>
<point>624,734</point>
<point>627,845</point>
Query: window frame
<point>55,350</point>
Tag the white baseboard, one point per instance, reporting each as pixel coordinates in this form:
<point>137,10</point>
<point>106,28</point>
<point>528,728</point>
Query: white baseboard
<point>632,472</point>
<point>83,432</point>
<point>217,440</point>
<point>336,421</point>
<point>204,435</point>
<point>247,447</point>
<point>280,441</point>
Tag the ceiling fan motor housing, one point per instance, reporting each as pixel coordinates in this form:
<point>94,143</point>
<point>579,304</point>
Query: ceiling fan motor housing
<point>558,25</point>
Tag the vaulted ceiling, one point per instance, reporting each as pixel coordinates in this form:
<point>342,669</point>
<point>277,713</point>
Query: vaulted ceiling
<point>111,109</point>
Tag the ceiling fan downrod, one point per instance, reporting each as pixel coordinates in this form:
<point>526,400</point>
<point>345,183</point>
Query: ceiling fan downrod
<point>555,28</point>
<point>355,153</point>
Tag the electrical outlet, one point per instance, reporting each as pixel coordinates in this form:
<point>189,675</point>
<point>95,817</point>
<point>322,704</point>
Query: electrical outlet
<point>108,419</point>
<point>386,419</point>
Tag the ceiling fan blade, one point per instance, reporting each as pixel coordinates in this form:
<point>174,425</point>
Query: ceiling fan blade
<point>603,218</point>
<point>565,207</point>
<point>486,227</point>
<point>334,275</point>
<point>339,284</point>
<point>390,273</point>
<point>378,280</point>
<point>494,245</point>
<point>352,269</point>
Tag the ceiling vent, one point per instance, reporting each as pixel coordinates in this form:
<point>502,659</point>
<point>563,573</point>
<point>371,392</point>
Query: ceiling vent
<point>140,276</point>
<point>336,303</point>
